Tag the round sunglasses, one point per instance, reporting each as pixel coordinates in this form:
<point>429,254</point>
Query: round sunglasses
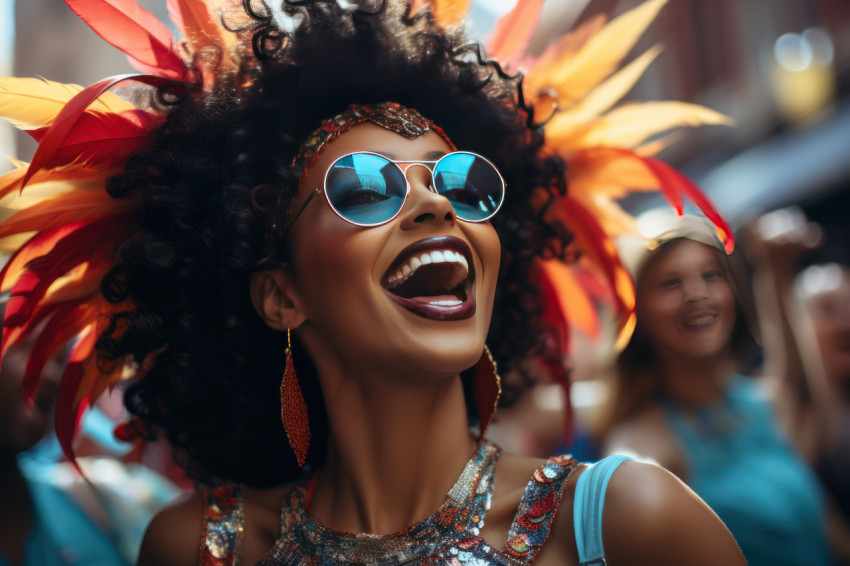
<point>369,189</point>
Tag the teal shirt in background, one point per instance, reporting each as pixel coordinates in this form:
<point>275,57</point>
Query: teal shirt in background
<point>63,535</point>
<point>95,523</point>
<point>742,466</point>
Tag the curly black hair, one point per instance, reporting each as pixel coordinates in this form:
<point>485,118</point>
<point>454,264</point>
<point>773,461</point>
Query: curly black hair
<point>217,174</point>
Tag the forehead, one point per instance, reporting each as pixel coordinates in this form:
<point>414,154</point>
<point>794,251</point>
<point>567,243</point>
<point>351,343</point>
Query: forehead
<point>683,255</point>
<point>371,137</point>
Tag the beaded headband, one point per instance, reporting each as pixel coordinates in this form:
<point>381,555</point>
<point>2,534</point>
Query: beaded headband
<point>389,115</point>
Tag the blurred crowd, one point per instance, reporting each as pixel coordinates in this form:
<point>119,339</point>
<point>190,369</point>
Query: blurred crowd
<point>736,379</point>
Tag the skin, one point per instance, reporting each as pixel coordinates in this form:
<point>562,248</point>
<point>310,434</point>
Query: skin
<point>830,315</point>
<point>686,303</point>
<point>398,427</point>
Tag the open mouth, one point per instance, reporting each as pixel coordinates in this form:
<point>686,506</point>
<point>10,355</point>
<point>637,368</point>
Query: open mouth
<point>699,321</point>
<point>433,278</point>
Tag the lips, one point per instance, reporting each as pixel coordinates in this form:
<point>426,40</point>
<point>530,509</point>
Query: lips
<point>699,320</point>
<point>433,278</point>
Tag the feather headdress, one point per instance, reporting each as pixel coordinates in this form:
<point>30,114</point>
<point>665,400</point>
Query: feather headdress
<point>60,225</point>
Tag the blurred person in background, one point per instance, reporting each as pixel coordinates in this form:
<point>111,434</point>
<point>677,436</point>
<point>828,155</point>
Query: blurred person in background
<point>680,401</point>
<point>51,515</point>
<point>825,293</point>
<point>804,319</point>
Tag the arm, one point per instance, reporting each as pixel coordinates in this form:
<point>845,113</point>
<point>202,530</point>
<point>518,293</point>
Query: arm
<point>652,518</point>
<point>174,534</point>
<point>792,358</point>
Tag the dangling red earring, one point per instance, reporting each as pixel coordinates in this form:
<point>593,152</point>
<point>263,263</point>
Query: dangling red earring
<point>293,408</point>
<point>486,387</point>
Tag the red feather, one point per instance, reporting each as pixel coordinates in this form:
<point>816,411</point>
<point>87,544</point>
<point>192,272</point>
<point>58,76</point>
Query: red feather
<point>513,31</point>
<point>103,140</point>
<point>91,239</point>
<point>14,269</point>
<point>63,324</point>
<point>674,182</point>
<point>69,117</point>
<point>135,31</point>
<point>68,413</point>
<point>602,249</point>
<point>674,186</point>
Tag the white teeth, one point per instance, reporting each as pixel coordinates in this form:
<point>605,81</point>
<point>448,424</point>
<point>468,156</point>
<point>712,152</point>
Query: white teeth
<point>460,272</point>
<point>446,303</point>
<point>700,320</point>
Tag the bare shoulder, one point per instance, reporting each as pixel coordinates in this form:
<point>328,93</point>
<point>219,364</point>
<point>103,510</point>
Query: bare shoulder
<point>173,535</point>
<point>651,517</point>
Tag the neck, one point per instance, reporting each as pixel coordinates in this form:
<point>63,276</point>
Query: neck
<point>394,452</point>
<point>695,382</point>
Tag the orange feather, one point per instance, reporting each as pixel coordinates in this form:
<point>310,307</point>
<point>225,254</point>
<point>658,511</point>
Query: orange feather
<point>513,31</point>
<point>68,207</point>
<point>450,12</point>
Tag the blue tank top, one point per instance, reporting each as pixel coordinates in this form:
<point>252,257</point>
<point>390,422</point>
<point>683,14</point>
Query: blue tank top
<point>741,465</point>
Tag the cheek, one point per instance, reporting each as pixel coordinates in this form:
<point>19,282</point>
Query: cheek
<point>485,242</point>
<point>657,310</point>
<point>333,266</point>
<point>726,298</point>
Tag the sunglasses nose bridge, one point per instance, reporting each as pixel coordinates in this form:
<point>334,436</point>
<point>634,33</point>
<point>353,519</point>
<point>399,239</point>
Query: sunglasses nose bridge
<point>427,179</point>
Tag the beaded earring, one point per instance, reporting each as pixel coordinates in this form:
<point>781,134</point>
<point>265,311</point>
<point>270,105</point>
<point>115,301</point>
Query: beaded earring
<point>486,387</point>
<point>293,408</point>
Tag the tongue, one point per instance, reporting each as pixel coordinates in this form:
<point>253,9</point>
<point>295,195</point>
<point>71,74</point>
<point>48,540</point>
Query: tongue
<point>430,283</point>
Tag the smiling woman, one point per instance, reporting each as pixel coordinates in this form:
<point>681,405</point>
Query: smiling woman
<point>337,232</point>
<point>679,401</point>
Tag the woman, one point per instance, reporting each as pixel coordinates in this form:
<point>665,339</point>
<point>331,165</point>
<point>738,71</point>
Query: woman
<point>338,216</point>
<point>680,402</point>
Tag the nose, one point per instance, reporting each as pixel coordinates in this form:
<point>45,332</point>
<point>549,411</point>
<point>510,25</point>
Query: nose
<point>424,204</point>
<point>695,291</point>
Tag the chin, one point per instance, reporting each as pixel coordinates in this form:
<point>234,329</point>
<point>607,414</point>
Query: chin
<point>444,359</point>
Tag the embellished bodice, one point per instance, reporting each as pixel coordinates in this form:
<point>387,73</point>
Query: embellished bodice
<point>451,536</point>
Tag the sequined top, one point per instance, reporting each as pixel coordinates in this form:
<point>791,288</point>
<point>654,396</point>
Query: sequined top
<point>450,537</point>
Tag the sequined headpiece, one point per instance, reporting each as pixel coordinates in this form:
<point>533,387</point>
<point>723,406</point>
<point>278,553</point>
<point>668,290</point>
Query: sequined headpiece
<point>392,116</point>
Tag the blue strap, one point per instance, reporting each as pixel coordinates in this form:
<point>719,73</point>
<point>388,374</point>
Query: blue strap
<point>587,509</point>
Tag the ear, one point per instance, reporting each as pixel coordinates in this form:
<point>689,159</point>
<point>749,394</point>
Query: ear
<point>276,299</point>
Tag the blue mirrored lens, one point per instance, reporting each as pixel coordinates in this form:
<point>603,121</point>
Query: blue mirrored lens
<point>365,189</point>
<point>472,185</point>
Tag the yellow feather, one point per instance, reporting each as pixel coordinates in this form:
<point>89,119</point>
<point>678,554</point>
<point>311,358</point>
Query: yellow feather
<point>631,124</point>
<point>626,126</point>
<point>577,75</point>
<point>603,97</point>
<point>29,104</point>
<point>655,146</point>
<point>59,209</point>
